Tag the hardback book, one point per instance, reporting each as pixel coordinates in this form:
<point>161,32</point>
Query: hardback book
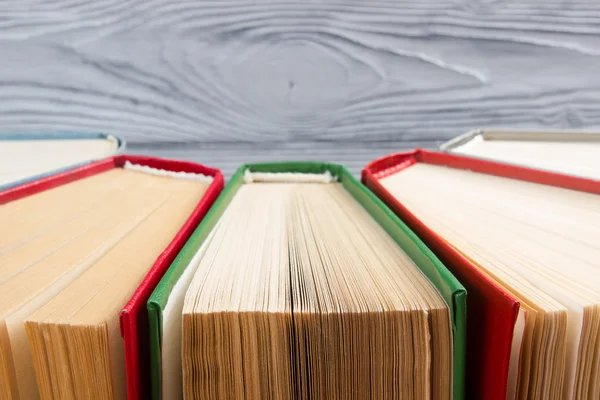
<point>25,157</point>
<point>572,153</point>
<point>524,244</point>
<point>300,283</point>
<point>80,251</point>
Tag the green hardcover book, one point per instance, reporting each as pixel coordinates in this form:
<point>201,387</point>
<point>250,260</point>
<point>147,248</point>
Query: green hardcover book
<point>165,306</point>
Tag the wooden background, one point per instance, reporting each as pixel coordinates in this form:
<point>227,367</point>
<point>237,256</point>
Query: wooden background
<point>228,81</point>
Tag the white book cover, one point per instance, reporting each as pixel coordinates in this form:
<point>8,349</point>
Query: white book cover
<point>27,157</point>
<point>567,152</point>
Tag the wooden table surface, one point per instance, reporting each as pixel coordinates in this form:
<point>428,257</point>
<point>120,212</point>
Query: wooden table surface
<point>229,81</point>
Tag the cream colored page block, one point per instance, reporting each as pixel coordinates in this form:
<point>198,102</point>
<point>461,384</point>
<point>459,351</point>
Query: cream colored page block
<point>127,263</point>
<point>559,288</point>
<point>327,219</point>
<point>537,238</point>
<point>22,278</point>
<point>520,286</point>
<point>42,246</point>
<point>78,224</point>
<point>29,217</point>
<point>296,261</point>
<point>20,159</point>
<point>223,298</point>
<point>47,278</point>
<point>98,294</point>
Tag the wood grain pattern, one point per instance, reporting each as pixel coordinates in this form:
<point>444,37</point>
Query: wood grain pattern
<point>284,71</point>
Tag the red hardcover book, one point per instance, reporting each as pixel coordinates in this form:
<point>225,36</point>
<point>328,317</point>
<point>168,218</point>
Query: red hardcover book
<point>133,317</point>
<point>492,312</point>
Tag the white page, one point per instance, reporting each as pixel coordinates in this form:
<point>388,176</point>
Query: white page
<point>172,380</point>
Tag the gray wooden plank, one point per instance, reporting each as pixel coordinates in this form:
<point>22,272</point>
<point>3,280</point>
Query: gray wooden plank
<point>286,70</point>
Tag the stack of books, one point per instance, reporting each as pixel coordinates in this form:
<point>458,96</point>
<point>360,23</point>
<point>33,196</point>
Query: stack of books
<point>441,276</point>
